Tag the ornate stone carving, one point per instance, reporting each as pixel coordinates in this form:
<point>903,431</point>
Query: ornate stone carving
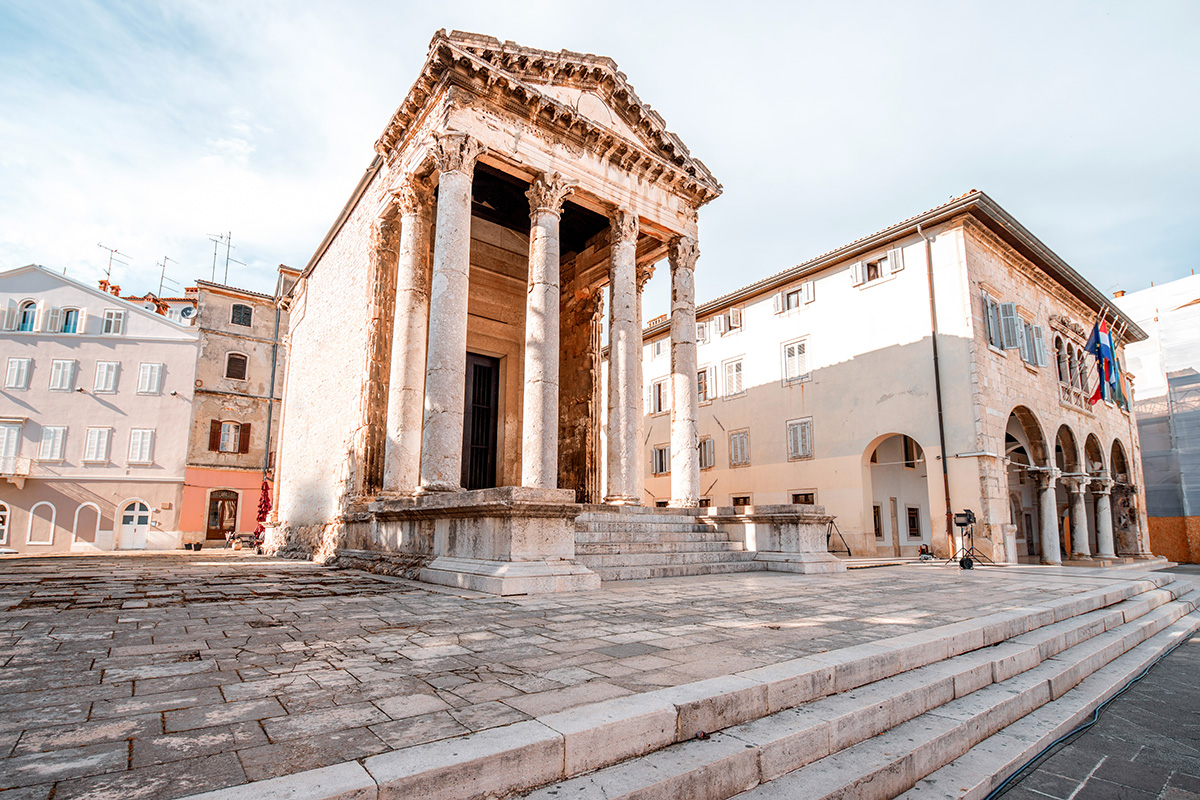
<point>547,194</point>
<point>412,194</point>
<point>644,274</point>
<point>683,252</point>
<point>456,152</point>
<point>624,226</point>
<point>387,231</point>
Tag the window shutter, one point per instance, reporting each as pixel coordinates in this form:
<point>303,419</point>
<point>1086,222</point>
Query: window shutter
<point>896,259</point>
<point>1030,343</point>
<point>807,291</point>
<point>244,439</point>
<point>733,378</point>
<point>856,273</point>
<point>1022,340</point>
<point>777,303</point>
<point>214,435</point>
<point>701,332</point>
<point>81,322</point>
<point>735,318</point>
<point>10,316</point>
<point>793,440</point>
<point>1008,325</point>
<point>53,320</point>
<point>1039,342</point>
<point>719,324</point>
<point>806,439</point>
<point>801,359</point>
<point>989,322</point>
<point>12,378</point>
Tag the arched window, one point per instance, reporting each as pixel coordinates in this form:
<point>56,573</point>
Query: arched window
<point>235,366</point>
<point>70,321</point>
<point>1060,355</point>
<point>1073,365</point>
<point>41,523</point>
<point>242,315</point>
<point>28,316</point>
<point>1083,374</point>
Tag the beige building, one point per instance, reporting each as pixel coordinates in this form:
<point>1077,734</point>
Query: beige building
<point>235,422</point>
<point>844,381</point>
<point>94,413</point>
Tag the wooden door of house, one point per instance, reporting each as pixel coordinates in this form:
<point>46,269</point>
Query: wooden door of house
<point>222,514</point>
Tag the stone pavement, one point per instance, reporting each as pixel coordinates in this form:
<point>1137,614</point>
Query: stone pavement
<point>1146,745</point>
<point>163,675</point>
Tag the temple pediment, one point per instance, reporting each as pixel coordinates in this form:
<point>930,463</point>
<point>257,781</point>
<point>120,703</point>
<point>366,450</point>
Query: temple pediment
<point>581,94</point>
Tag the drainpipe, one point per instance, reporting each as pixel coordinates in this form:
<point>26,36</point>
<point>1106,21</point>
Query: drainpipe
<point>937,389</point>
<point>271,392</point>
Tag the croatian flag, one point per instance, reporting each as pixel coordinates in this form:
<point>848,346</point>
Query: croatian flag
<point>1100,344</point>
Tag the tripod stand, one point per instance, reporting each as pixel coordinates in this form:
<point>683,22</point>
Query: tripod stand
<point>968,555</point>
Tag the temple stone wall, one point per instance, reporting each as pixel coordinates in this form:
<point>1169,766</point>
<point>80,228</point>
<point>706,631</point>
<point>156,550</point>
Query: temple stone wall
<point>579,409</point>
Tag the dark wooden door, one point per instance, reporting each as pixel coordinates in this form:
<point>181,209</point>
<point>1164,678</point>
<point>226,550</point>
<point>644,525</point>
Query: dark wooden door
<point>479,422</point>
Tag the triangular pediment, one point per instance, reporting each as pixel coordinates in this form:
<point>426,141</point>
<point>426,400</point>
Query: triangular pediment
<point>568,86</point>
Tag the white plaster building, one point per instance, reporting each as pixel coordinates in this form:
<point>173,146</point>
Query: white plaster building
<point>818,385</point>
<point>94,414</point>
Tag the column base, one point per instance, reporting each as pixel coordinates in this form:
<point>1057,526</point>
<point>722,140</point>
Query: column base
<point>510,577</point>
<point>621,500</point>
<point>435,488</point>
<point>806,563</point>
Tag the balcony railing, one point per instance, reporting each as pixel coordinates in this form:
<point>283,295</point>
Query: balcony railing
<point>15,469</point>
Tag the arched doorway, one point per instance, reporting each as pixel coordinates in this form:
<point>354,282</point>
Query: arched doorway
<point>1025,454</point>
<point>135,523</point>
<point>1066,458</point>
<point>898,494</point>
<point>1094,466</point>
<point>222,514</point>
<point>1124,503</point>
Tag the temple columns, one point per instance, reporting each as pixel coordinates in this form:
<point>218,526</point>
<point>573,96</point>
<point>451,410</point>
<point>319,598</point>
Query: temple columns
<point>402,465</point>
<point>624,365</point>
<point>539,447</point>
<point>1104,523</point>
<point>1080,547</point>
<point>685,436</point>
<point>1049,526</point>
<point>446,362</point>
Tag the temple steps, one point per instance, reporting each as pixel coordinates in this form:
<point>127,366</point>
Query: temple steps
<point>927,714</point>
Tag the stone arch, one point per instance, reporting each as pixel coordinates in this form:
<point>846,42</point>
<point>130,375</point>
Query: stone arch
<point>896,494</point>
<point>1120,463</point>
<point>1025,454</point>
<point>1093,455</point>
<point>1035,439</point>
<point>90,531</point>
<point>1066,449</point>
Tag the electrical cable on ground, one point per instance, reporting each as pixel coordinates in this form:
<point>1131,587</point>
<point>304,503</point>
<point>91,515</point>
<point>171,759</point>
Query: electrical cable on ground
<point>1045,752</point>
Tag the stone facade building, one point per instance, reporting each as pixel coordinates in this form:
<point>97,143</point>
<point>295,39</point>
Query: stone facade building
<point>94,411</point>
<point>449,430</point>
<point>844,381</point>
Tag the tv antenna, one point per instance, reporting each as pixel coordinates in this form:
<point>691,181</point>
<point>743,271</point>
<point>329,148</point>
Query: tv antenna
<point>229,261</point>
<point>113,255</point>
<point>219,239</point>
<point>163,277</point>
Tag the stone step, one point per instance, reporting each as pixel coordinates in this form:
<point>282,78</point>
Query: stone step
<point>610,548</point>
<point>638,530</point>
<point>644,573</point>
<point>673,535</point>
<point>877,740</point>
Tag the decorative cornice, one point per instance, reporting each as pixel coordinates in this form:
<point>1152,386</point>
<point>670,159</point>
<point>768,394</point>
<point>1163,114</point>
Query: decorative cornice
<point>683,251</point>
<point>624,226</point>
<point>456,152</point>
<point>1067,325</point>
<point>547,193</point>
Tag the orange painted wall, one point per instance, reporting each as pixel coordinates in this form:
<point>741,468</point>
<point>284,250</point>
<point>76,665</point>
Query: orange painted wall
<point>198,481</point>
<point>1176,538</point>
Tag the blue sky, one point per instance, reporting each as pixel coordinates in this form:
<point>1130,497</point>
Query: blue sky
<point>148,126</point>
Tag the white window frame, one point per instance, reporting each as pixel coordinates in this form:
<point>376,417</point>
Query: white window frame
<point>18,372</point>
<point>96,445</point>
<point>106,377</point>
<point>62,321</point>
<point>735,320</point>
<point>739,448</point>
<point>150,377</point>
<point>805,372</point>
<point>702,332</point>
<point>33,517</point>
<point>707,448</point>
<point>660,396</point>
<point>53,444</point>
<point>797,440</point>
<point>889,263</point>
<point>660,459</point>
<point>141,446</point>
<point>114,322</point>
<point>733,388</point>
<point>231,434</point>
<point>62,375</point>
<point>710,378</point>
<point>15,429</point>
<point>658,348</point>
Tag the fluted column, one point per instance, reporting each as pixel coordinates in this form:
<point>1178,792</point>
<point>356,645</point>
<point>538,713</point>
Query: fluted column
<point>1049,526</point>
<point>1080,547</point>
<point>624,363</point>
<point>406,392</point>
<point>539,424</point>
<point>685,405</point>
<point>446,362</point>
<point>1102,489</point>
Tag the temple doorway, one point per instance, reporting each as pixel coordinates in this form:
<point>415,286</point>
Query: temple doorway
<point>479,422</point>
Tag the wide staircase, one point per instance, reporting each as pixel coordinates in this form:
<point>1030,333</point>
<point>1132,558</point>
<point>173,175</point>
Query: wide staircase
<point>638,543</point>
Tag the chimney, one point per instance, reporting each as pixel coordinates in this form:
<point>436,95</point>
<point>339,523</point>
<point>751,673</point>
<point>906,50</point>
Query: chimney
<point>1119,293</point>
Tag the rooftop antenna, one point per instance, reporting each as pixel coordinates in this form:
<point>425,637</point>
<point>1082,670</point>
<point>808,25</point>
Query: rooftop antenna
<point>227,263</point>
<point>219,239</point>
<point>113,255</point>
<point>163,277</point>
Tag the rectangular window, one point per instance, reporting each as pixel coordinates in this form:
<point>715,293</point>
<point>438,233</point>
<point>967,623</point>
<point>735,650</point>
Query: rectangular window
<point>705,502</point>
<point>704,386</point>
<point>1008,326</point>
<point>10,439</point>
<point>1039,345</point>
<point>17,376</point>
<point>795,361</point>
<point>230,436</point>
<point>804,498</point>
<point>877,519</point>
<point>141,446</point>
<point>914,523</point>
<point>739,500</point>
<point>799,434</point>
<point>1030,352</point>
<point>95,449</point>
<point>661,459</point>
<point>739,448</point>
<point>106,377</point>
<point>114,322</point>
<point>661,503</point>
<point>701,332</point>
<point>991,318</point>
<point>708,453</point>
<point>733,378</point>
<point>150,378</point>
<point>62,376</point>
<point>660,397</point>
<point>658,348</point>
<point>53,439</point>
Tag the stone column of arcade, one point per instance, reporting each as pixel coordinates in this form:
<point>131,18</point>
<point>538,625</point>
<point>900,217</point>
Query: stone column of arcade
<point>1049,523</point>
<point>402,464</point>
<point>539,447</point>
<point>685,437</point>
<point>446,362</point>
<point>1102,488</point>
<point>624,360</point>
<point>1080,547</point>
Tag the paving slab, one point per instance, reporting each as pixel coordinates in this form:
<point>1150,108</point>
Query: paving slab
<point>242,668</point>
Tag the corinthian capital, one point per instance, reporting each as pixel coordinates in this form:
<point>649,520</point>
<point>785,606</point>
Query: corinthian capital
<point>456,152</point>
<point>683,252</point>
<point>411,194</point>
<point>624,226</point>
<point>548,192</point>
<point>644,274</point>
<point>386,231</point>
